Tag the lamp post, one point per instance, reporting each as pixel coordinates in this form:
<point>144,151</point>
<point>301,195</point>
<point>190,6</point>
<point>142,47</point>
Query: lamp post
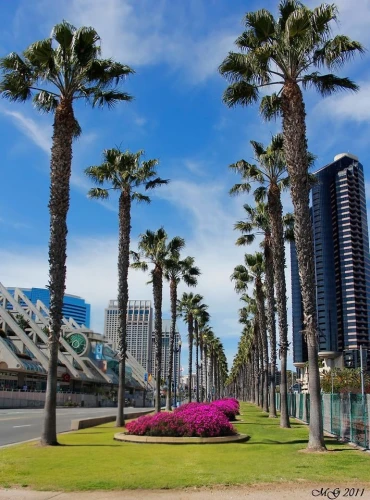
<point>176,351</point>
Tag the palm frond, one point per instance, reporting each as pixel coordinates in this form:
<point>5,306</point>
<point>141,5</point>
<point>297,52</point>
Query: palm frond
<point>270,107</point>
<point>328,84</point>
<point>156,182</point>
<point>44,101</point>
<point>140,198</point>
<point>98,193</point>
<point>63,34</point>
<point>337,51</point>
<point>247,239</point>
<point>244,187</point>
<point>108,98</point>
<point>260,193</point>
<point>242,93</point>
<point>263,24</point>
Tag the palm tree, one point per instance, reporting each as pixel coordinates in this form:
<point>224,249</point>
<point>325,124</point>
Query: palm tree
<point>287,52</point>
<point>55,72</point>
<point>154,248</point>
<point>201,317</point>
<point>254,270</point>
<point>207,336</point>
<point>187,307</point>
<point>248,315</point>
<point>125,173</point>
<point>271,172</point>
<point>258,222</point>
<point>175,271</point>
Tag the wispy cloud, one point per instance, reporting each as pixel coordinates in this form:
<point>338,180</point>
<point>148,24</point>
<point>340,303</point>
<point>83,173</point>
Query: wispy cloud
<point>349,106</point>
<point>40,135</point>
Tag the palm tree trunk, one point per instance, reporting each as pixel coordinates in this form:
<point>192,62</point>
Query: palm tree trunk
<point>201,367</point>
<point>196,332</point>
<point>269,283</point>
<point>263,333</point>
<point>123,266</point>
<point>295,147</point>
<point>256,373</point>
<point>60,173</point>
<point>278,253</point>
<point>157,293</point>
<point>190,370</point>
<point>205,373</point>
<point>173,298</point>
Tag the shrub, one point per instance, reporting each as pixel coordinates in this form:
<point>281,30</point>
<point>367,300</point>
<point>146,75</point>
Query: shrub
<point>191,420</point>
<point>228,406</point>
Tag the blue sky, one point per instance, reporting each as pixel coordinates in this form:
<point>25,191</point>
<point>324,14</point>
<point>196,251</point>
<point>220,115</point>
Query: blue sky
<point>178,117</point>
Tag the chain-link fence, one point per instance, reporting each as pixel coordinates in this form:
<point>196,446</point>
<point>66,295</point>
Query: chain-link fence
<point>344,415</point>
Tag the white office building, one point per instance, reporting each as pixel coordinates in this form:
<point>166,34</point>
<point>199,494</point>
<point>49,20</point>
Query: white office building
<point>138,328</point>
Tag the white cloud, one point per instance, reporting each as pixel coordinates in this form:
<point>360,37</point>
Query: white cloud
<point>146,33</point>
<point>92,262</point>
<point>40,135</point>
<point>348,106</point>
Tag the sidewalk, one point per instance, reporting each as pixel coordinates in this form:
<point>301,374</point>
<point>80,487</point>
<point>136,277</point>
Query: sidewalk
<point>285,491</point>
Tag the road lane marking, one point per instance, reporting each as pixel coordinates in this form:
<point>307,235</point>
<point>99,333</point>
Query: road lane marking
<point>26,425</point>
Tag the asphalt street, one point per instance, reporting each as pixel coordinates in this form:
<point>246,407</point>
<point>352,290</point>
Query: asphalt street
<point>24,424</point>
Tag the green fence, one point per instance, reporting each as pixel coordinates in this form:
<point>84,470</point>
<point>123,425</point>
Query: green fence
<point>344,415</point>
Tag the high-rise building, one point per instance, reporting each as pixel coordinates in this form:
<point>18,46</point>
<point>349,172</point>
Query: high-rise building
<point>342,262</point>
<point>138,328</point>
<point>166,330</point>
<point>73,306</point>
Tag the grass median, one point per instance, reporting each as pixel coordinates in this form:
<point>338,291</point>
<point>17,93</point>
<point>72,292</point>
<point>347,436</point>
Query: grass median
<point>90,460</point>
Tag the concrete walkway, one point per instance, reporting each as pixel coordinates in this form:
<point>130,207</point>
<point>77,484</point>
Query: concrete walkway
<point>285,491</point>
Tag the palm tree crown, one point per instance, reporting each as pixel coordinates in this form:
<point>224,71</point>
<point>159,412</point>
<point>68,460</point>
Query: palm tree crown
<point>65,66</point>
<point>275,51</point>
<point>124,171</point>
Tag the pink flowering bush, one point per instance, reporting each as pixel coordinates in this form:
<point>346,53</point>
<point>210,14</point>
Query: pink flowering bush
<point>228,406</point>
<point>190,420</point>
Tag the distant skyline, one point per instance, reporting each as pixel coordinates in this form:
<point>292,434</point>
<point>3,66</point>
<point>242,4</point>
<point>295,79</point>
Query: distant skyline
<point>177,116</point>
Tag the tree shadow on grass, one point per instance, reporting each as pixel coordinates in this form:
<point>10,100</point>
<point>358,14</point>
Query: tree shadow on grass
<point>271,441</point>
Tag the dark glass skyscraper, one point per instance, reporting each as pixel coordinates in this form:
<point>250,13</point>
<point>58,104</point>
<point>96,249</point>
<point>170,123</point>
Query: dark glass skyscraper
<point>342,262</point>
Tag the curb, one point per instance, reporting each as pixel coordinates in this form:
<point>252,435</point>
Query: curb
<point>121,436</point>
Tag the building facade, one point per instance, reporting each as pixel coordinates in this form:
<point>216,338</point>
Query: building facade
<point>342,262</point>
<point>86,363</point>
<point>73,306</point>
<point>138,328</point>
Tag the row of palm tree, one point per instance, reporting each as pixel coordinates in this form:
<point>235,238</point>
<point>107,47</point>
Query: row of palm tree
<point>210,359</point>
<point>289,51</point>
<point>55,73</point>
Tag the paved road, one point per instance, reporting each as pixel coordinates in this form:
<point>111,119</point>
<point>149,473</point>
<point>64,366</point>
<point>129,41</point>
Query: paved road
<point>23,424</point>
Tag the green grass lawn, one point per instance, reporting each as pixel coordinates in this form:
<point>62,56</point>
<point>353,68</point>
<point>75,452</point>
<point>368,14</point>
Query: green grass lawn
<point>90,459</point>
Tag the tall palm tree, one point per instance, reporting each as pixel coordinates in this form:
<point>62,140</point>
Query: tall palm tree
<point>154,250</point>
<point>125,173</point>
<point>271,172</point>
<point>187,307</point>
<point>55,72</point>
<point>207,335</point>
<point>254,270</point>
<point>201,317</point>
<point>288,51</point>
<point>248,315</point>
<point>258,222</point>
<point>175,271</point>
